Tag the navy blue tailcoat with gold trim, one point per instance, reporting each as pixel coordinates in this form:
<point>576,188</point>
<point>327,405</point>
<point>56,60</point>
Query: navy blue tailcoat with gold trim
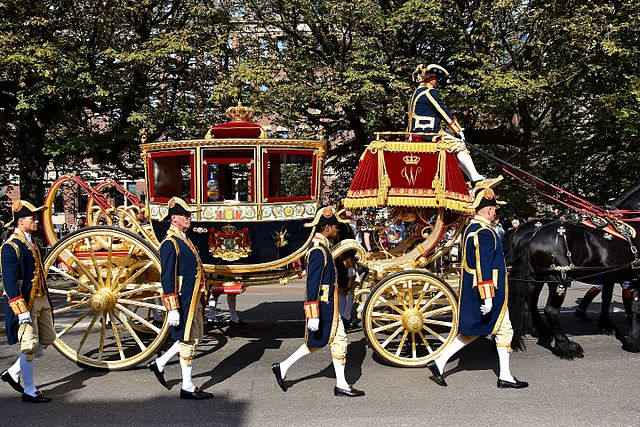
<point>21,263</point>
<point>322,288</point>
<point>484,274</point>
<point>427,111</point>
<point>182,273</point>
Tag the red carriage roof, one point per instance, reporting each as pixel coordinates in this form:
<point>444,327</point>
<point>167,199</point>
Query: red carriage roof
<point>421,174</point>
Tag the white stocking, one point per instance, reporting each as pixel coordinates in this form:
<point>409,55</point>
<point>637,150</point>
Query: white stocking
<point>26,367</point>
<point>297,355</point>
<point>349,306</point>
<point>449,351</point>
<point>341,382</point>
<point>342,304</point>
<point>503,357</point>
<point>213,302</point>
<point>468,167</point>
<point>187,382</point>
<point>14,370</point>
<point>164,359</point>
<point>231,302</point>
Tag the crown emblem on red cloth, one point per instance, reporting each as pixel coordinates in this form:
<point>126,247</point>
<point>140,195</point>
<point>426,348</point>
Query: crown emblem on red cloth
<point>16,206</point>
<point>327,212</point>
<point>411,160</point>
<point>489,194</point>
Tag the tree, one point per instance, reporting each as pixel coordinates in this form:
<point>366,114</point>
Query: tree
<point>81,79</point>
<point>527,78</point>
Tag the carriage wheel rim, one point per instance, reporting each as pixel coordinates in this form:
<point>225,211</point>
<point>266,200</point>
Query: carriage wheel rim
<point>410,318</point>
<point>103,291</point>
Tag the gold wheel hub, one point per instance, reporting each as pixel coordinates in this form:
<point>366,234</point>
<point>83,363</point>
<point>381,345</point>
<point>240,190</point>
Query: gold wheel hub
<point>103,300</point>
<point>412,320</point>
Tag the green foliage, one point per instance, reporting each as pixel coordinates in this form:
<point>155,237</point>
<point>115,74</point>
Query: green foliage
<point>549,86</point>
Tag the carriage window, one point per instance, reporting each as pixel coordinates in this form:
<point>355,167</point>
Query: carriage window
<point>228,175</point>
<point>289,175</point>
<point>172,175</point>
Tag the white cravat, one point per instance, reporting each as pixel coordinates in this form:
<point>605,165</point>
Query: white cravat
<point>26,235</point>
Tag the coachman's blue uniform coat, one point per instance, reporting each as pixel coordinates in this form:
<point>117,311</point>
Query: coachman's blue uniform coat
<point>322,290</point>
<point>21,269</point>
<point>484,275</point>
<point>182,274</point>
<point>427,111</point>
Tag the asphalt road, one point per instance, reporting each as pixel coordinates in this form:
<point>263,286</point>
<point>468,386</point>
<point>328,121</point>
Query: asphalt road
<point>598,390</point>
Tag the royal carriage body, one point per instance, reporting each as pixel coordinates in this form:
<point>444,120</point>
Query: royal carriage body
<point>253,196</point>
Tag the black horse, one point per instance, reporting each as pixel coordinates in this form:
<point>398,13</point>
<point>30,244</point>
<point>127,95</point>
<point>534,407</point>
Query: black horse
<point>557,252</point>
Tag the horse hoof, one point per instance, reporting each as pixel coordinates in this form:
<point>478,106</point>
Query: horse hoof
<point>632,346</point>
<point>581,314</point>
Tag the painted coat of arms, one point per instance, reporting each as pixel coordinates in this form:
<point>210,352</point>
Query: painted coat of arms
<point>229,243</point>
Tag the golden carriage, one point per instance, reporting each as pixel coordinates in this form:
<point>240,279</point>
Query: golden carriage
<point>253,196</point>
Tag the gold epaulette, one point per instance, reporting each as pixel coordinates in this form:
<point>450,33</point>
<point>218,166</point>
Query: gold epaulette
<point>312,309</point>
<point>171,301</point>
<point>18,305</point>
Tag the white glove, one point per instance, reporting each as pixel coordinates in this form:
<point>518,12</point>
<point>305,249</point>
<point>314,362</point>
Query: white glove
<point>461,134</point>
<point>351,272</point>
<point>313,324</point>
<point>24,318</point>
<point>486,307</point>
<point>174,317</point>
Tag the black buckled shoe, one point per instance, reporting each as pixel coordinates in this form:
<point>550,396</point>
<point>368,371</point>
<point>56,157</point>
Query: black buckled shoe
<point>275,368</point>
<point>436,373</point>
<point>38,398</point>
<point>196,394</point>
<point>7,378</point>
<point>347,393</point>
<point>153,367</point>
<point>515,384</point>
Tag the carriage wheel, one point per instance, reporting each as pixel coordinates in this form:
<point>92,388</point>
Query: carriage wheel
<point>409,317</point>
<point>109,278</point>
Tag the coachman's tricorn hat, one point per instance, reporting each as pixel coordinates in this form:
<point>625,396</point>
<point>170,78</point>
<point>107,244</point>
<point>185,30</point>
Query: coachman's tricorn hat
<point>486,198</point>
<point>325,216</point>
<point>21,209</point>
<point>422,71</point>
<point>177,206</point>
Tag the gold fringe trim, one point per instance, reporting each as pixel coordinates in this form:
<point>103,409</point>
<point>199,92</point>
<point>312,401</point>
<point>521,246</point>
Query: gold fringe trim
<point>413,147</point>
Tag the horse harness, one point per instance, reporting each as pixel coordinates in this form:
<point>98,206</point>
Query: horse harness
<point>561,234</point>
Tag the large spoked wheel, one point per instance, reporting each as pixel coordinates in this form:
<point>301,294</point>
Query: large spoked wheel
<point>409,317</point>
<point>106,298</point>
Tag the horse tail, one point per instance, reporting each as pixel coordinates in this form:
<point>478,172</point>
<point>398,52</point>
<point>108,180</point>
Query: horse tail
<point>519,282</point>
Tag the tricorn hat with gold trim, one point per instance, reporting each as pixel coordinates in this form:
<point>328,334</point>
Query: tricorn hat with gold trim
<point>422,71</point>
<point>21,209</point>
<point>177,206</point>
<point>486,198</point>
<point>325,216</point>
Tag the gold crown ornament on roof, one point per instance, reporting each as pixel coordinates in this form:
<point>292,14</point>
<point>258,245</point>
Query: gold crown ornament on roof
<point>240,113</point>
<point>411,160</point>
